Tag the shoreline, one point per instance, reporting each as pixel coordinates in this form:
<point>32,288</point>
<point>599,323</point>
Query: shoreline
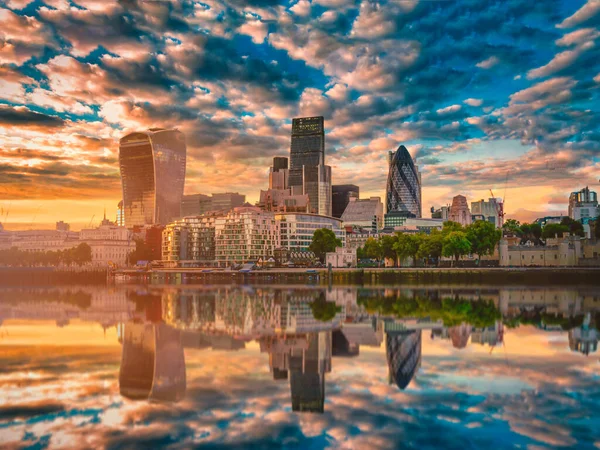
<point>568,276</point>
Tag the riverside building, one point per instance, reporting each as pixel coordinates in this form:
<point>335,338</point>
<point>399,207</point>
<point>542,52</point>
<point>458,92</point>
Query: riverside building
<point>297,229</point>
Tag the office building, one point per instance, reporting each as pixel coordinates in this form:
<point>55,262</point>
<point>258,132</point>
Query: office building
<point>490,211</point>
<point>394,222</point>
<point>584,339</point>
<point>279,173</point>
<point>110,244</point>
<point>307,146</point>
<point>440,213</point>
<point>367,213</point>
<point>403,353</point>
<point>543,221</point>
<point>404,184</point>
<point>340,196</point>
<point>152,363</point>
<point>459,211</point>
<point>62,226</point>
<point>583,206</point>
<point>279,197</point>
<point>120,215</point>
<point>198,204</point>
<point>297,229</point>
<point>245,234</point>
<point>152,167</point>
<point>308,173</point>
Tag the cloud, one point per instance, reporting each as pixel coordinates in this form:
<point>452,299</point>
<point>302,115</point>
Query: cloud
<point>588,11</point>
<point>21,116</point>
<point>488,63</point>
<point>473,101</point>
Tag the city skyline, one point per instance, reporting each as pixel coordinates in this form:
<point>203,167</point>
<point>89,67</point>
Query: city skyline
<point>484,96</point>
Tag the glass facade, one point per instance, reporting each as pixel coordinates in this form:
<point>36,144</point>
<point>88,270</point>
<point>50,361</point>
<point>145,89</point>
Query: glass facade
<point>317,185</point>
<point>404,183</point>
<point>152,167</point>
<point>307,147</point>
<point>297,230</point>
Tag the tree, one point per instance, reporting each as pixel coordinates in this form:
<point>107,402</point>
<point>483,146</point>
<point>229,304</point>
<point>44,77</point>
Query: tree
<point>407,245</point>
<point>483,237</point>
<point>142,252</point>
<point>456,245</point>
<point>575,226</point>
<point>323,310</point>
<point>324,241</point>
<point>450,226</point>
<point>512,226</point>
<point>81,254</point>
<point>554,229</point>
<point>374,249</point>
<point>431,246</point>
<point>531,231</point>
<point>387,246</point>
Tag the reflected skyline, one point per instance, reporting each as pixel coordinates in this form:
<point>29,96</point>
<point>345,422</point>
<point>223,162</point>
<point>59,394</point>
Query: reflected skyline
<point>238,347</point>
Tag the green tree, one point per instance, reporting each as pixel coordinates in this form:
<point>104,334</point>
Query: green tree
<point>142,252</point>
<point>554,229</point>
<point>323,310</point>
<point>374,249</point>
<point>450,226</point>
<point>484,237</point>
<point>531,231</point>
<point>456,244</point>
<point>387,246</point>
<point>575,226</point>
<point>407,245</point>
<point>324,241</point>
<point>512,226</point>
<point>431,246</point>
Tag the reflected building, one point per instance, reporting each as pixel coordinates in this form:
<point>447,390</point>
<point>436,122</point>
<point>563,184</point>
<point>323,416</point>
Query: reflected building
<point>152,363</point>
<point>403,352</point>
<point>152,167</point>
<point>403,185</point>
<point>459,335</point>
<point>584,339</point>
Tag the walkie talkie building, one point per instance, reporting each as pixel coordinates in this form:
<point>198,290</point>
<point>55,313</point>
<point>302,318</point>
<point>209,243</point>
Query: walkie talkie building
<point>404,184</point>
<point>153,175</point>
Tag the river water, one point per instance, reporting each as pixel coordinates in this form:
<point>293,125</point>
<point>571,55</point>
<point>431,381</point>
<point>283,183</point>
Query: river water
<point>299,367</point>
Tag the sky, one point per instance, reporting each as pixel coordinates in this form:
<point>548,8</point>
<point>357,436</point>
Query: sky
<point>501,95</point>
<point>66,395</point>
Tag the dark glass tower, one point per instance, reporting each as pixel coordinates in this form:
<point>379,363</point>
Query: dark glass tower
<point>340,197</point>
<point>153,175</point>
<point>404,184</point>
<point>308,146</point>
<point>403,351</point>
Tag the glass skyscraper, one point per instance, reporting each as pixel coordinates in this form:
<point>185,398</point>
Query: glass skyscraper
<point>403,352</point>
<point>404,184</point>
<point>153,175</point>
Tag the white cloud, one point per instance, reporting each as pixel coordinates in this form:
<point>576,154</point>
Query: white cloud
<point>302,8</point>
<point>559,62</point>
<point>488,63</point>
<point>449,109</point>
<point>473,101</point>
<point>590,9</point>
<point>256,29</point>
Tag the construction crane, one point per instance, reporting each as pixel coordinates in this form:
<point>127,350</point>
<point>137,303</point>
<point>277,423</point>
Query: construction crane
<point>500,207</point>
<point>91,220</point>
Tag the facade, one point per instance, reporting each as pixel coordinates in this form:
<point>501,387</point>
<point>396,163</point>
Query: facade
<point>490,211</point>
<point>62,226</point>
<point>282,200</point>
<point>543,221</point>
<point>110,244</point>
<point>279,173</point>
<point>342,257</point>
<point>340,196</point>
<point>440,213</point>
<point>297,229</point>
<point>40,240</point>
<point>307,146</point>
<point>152,167</point>
<point>583,204</point>
<point>403,352</point>
<point>403,222</point>
<point>459,211</point>
<point>367,213</point>
<point>198,204</point>
<point>191,238</point>
<point>120,215</point>
<point>565,252</point>
<point>245,234</point>
<point>317,185</point>
<point>404,184</point>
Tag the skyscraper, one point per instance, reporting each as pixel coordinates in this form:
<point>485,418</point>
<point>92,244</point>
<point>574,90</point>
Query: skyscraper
<point>340,197</point>
<point>153,175</point>
<point>403,184</point>
<point>403,352</point>
<point>308,173</point>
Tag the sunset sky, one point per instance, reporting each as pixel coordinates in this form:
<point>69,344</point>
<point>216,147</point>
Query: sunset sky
<point>484,94</point>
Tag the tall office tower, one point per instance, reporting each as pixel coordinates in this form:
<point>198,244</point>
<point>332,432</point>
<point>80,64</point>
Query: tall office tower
<point>340,197</point>
<point>583,205</point>
<point>152,363</point>
<point>403,184</point>
<point>403,352</point>
<point>153,175</point>
<point>308,146</point>
<point>308,173</point>
<point>194,205</point>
